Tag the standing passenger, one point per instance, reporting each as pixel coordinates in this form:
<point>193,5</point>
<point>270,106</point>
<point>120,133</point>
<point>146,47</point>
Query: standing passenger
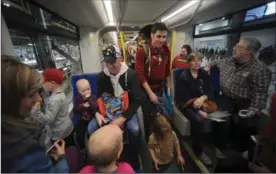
<point>244,81</point>
<point>153,70</point>
<point>56,117</point>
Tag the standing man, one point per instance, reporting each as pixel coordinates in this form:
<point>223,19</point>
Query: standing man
<point>153,70</point>
<point>244,82</point>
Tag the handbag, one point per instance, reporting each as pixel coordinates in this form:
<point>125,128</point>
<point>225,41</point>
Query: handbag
<point>208,105</point>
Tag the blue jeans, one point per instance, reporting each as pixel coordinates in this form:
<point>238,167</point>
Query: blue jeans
<point>132,128</point>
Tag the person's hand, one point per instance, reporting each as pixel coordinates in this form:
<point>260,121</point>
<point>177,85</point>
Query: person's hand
<point>180,160</point>
<point>156,163</point>
<point>119,121</point>
<point>198,103</point>
<point>207,68</point>
<point>59,149</point>
<point>99,118</point>
<point>153,98</point>
<point>250,113</point>
<point>87,95</point>
<point>203,114</point>
<point>86,105</point>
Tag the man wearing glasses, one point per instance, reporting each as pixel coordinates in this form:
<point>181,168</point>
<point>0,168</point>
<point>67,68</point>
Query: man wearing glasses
<point>244,82</point>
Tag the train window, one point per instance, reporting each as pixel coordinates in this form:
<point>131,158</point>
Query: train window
<point>25,50</point>
<point>260,12</point>
<point>271,8</point>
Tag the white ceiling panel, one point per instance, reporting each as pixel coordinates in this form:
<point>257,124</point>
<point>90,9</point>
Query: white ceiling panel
<point>79,12</point>
<point>144,11</point>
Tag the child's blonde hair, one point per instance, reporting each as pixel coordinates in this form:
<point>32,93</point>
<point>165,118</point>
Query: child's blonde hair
<point>161,126</point>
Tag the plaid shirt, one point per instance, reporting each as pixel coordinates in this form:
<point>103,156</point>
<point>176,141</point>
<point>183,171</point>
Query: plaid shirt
<point>249,81</point>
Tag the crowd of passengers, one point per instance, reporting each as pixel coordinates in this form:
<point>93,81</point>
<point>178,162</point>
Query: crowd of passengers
<point>27,131</point>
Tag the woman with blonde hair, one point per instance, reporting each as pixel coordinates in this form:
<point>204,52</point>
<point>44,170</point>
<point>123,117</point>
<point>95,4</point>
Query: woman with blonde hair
<point>21,150</point>
<point>195,102</point>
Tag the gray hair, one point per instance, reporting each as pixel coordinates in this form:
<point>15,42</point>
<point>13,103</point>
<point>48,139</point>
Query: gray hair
<point>253,44</point>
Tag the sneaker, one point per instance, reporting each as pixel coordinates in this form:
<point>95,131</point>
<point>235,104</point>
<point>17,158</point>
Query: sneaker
<point>219,154</point>
<point>205,159</point>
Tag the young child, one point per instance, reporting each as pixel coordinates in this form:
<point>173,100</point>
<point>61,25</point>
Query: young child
<point>163,144</point>
<point>85,106</point>
<point>105,147</point>
<point>58,124</point>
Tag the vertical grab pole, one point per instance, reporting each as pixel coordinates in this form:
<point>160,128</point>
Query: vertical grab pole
<point>123,45</point>
<point>172,46</point>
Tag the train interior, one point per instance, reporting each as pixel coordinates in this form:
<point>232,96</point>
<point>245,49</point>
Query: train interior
<point>70,35</point>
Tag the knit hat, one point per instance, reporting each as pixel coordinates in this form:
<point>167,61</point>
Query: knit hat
<point>53,74</point>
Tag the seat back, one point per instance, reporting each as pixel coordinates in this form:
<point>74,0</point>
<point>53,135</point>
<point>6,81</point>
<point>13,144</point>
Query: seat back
<point>181,123</point>
<point>176,86</point>
<point>215,81</point>
<point>92,78</point>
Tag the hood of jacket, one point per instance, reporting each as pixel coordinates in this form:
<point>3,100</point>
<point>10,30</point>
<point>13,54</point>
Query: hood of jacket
<point>16,141</point>
<point>118,90</point>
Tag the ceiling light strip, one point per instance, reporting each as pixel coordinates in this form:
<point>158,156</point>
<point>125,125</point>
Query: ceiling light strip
<point>109,11</point>
<point>186,6</point>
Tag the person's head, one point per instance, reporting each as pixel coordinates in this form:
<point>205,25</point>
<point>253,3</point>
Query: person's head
<point>194,60</point>
<point>159,33</point>
<point>84,88</point>
<point>53,78</point>
<point>161,127</point>
<point>245,49</point>
<point>210,53</point>
<point>112,57</point>
<point>105,146</point>
<point>186,50</point>
<point>20,88</point>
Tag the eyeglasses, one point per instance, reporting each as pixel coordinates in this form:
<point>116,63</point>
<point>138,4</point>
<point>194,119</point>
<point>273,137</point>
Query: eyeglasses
<point>240,47</point>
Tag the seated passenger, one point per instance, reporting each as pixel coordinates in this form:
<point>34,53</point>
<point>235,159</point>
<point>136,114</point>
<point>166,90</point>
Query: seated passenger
<point>56,118</point>
<point>194,101</point>
<point>163,144</point>
<point>180,61</point>
<point>116,79</point>
<point>20,147</point>
<point>85,106</point>
<point>104,148</point>
<point>244,82</point>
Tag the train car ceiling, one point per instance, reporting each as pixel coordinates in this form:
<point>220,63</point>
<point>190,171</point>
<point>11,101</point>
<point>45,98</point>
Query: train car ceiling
<point>132,13</point>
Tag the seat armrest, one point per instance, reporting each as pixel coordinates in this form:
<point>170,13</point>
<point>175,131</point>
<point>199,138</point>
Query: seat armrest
<point>181,123</point>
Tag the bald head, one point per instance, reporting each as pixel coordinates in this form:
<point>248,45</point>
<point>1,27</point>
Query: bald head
<point>83,88</point>
<point>105,145</point>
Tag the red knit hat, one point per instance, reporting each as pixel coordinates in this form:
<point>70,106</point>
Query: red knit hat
<point>52,74</point>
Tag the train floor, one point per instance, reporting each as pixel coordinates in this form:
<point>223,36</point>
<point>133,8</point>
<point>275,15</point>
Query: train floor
<point>143,162</point>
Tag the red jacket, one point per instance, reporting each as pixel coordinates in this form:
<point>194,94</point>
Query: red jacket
<point>159,66</point>
<point>179,62</point>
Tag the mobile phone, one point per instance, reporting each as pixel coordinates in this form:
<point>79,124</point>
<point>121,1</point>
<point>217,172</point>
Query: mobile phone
<point>53,146</point>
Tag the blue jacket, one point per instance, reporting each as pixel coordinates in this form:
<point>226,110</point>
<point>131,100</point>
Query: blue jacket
<point>21,152</point>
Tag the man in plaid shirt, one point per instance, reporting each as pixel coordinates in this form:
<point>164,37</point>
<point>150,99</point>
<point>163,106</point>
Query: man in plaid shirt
<point>244,82</point>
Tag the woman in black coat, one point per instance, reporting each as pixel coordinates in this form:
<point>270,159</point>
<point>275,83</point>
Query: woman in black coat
<point>196,89</point>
